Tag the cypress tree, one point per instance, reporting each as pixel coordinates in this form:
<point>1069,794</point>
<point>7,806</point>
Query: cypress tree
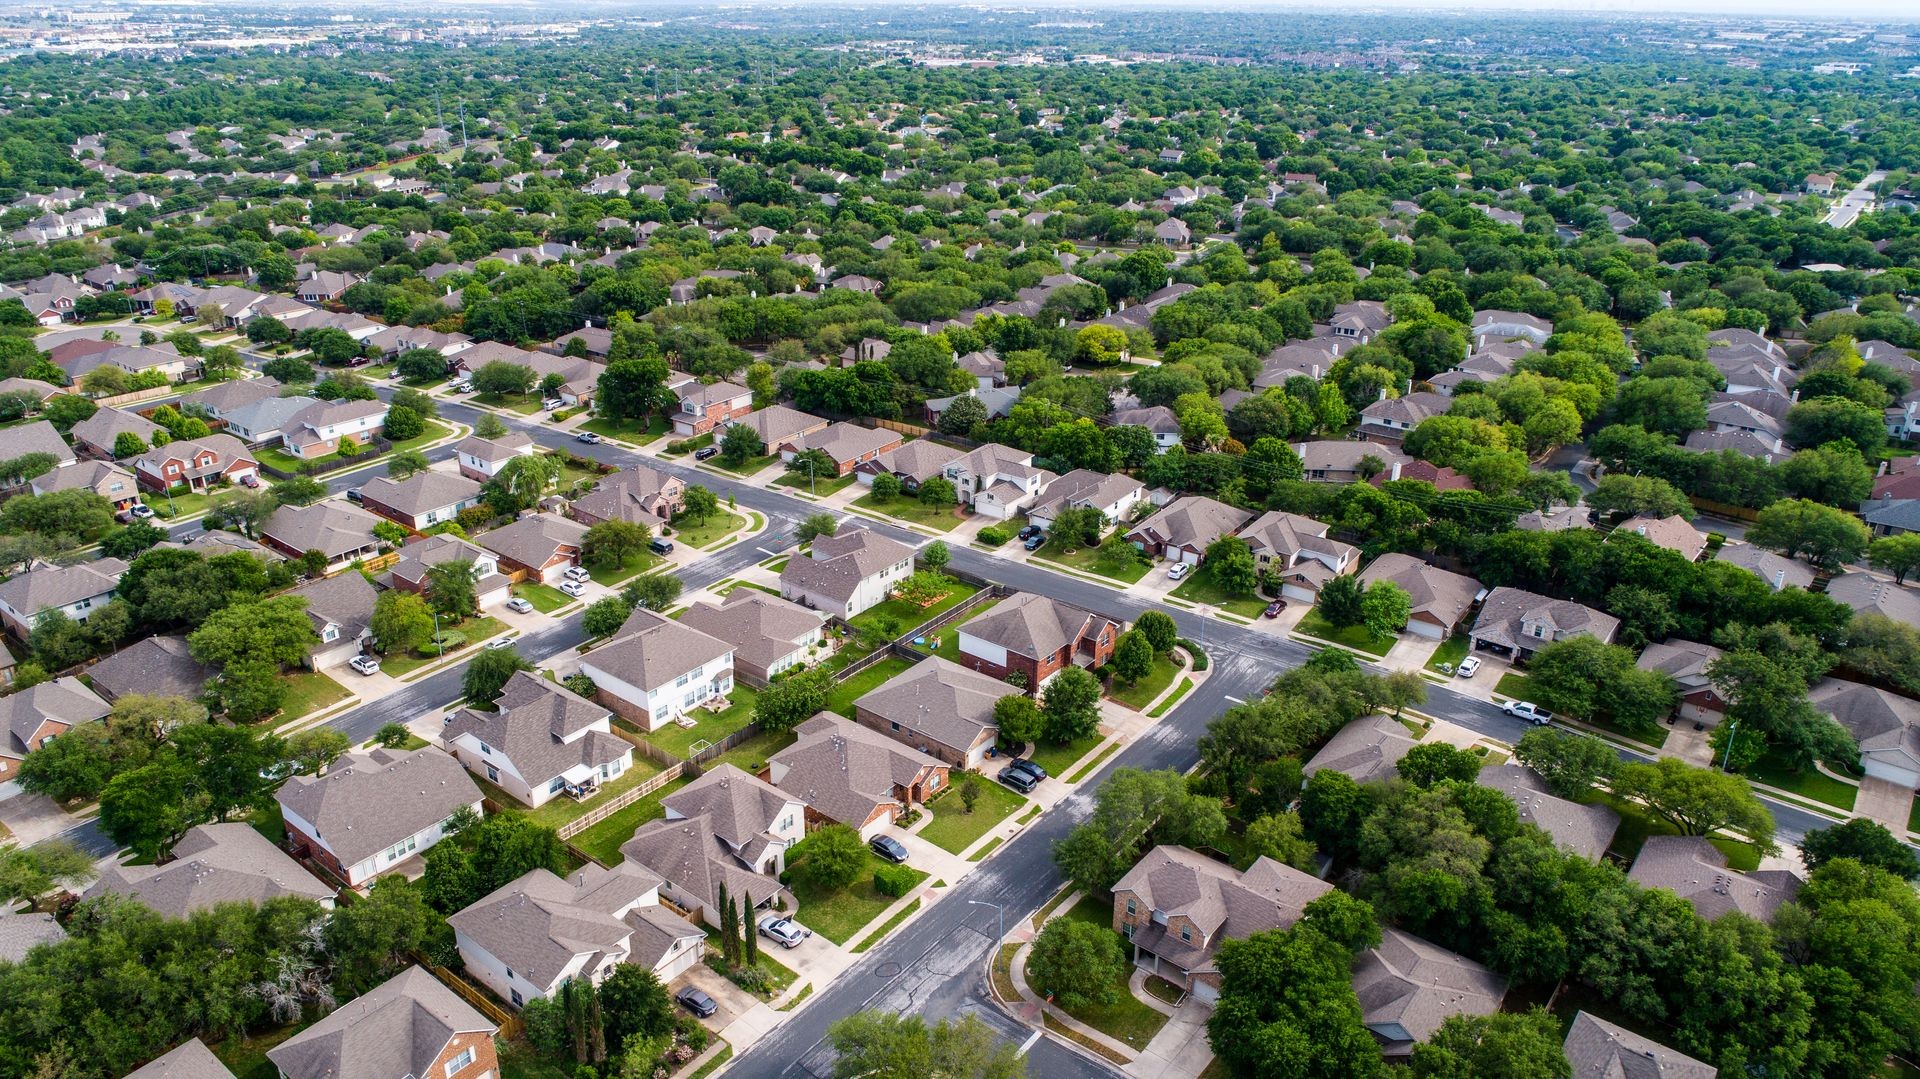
<point>752,932</point>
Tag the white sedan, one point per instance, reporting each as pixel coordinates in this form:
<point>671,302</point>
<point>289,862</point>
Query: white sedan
<point>573,588</point>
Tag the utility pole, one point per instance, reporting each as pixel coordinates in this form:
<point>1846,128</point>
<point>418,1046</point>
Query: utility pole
<point>463,125</point>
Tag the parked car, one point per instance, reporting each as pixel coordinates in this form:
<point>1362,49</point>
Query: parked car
<point>1528,711</point>
<point>1179,570</point>
<point>1273,609</point>
<point>462,386</point>
<point>578,573</point>
<point>783,929</point>
<point>889,848</point>
<point>140,510</point>
<point>353,494</point>
<point>1029,532</point>
<point>501,642</point>
<point>1034,543</point>
<point>553,404</point>
<point>519,606</point>
<point>588,437</point>
<point>697,1001</point>
<point>1022,775</point>
<point>1468,667</point>
<point>249,480</point>
<point>706,453</point>
<point>660,546</point>
<point>365,664</point>
<point>573,588</point>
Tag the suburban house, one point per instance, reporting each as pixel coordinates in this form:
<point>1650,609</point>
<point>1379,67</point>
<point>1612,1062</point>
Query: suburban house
<point>1515,622</point>
<point>1586,830</point>
<point>708,406</point>
<point>1345,461</point>
<point>213,863</point>
<point>36,437</point>
<point>848,572</point>
<point>1686,662</point>
<point>1035,637</point>
<point>638,494</point>
<point>35,715</point>
<point>190,1059</point>
<point>1367,749</point>
<point>409,574</point>
<point>104,478</point>
<point>912,463</point>
<point>422,500</point>
<point>154,666</point>
<point>1408,987</point>
<point>1176,905</point>
<point>266,419</point>
<point>769,634</point>
<point>538,547</point>
<point>1114,496</point>
<point>540,741</point>
<point>1554,519</point>
<point>1598,1049</point>
<point>1439,599</point>
<point>96,435</point>
<point>1359,320</point>
<point>655,669</point>
<point>200,463</point>
<point>1671,533</point>
<point>1158,420</point>
<point>341,609</point>
<point>938,707</point>
<point>1777,570</point>
<point>1182,530</point>
<point>75,591</point>
<point>344,534</point>
<point>846,774</point>
<point>1886,725</point>
<point>847,445</point>
<point>1865,593</point>
<point>778,426</point>
<point>753,820</point>
<point>1506,325</point>
<point>324,287</point>
<point>1296,549</point>
<point>482,458</point>
<point>374,810</point>
<point>1696,871</point>
<point>530,937</point>
<point>409,1024</point>
<point>997,481</point>
<point>1388,421</point>
<point>318,429</point>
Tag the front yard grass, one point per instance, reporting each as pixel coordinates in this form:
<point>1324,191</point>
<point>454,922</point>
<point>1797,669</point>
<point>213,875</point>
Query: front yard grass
<point>1056,759</point>
<point>903,616</point>
<point>912,510</point>
<point>1200,587</point>
<point>953,829</point>
<point>308,692</point>
<point>635,564</point>
<point>1812,783</point>
<point>560,809</point>
<point>632,432</point>
<point>1140,694</point>
<point>820,487</point>
<point>1512,684</point>
<point>841,698</point>
<point>839,913</point>
<point>1314,625</point>
<point>1087,560</point>
<point>1636,825</point>
<point>545,598</point>
<point>474,630</point>
<point>434,431</point>
<point>1451,652</point>
<point>698,534</point>
<point>745,468</point>
<point>177,506</point>
<point>1128,1018</point>
<point>603,840</point>
<point>707,726</point>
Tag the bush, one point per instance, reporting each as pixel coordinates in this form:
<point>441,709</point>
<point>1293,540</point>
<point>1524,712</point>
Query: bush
<point>1199,657</point>
<point>446,642</point>
<point>993,535</point>
<point>893,880</point>
<point>688,445</point>
<point>752,979</point>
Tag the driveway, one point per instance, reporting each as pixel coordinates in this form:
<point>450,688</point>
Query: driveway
<point>1884,801</point>
<point>33,817</point>
<point>734,1001</point>
<point>1180,1050</point>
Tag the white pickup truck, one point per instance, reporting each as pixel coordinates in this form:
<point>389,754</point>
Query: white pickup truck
<point>1528,711</point>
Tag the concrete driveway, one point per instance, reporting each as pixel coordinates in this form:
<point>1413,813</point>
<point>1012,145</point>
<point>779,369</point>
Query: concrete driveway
<point>734,1001</point>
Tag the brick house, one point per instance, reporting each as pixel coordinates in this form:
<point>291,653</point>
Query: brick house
<point>200,463</point>
<point>39,713</point>
<point>850,775</point>
<point>938,707</point>
<point>409,1024</point>
<point>706,407</point>
<point>538,547</point>
<point>1036,637</point>
<point>637,494</point>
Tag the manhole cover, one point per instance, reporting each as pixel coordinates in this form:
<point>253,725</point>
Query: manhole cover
<point>887,970</point>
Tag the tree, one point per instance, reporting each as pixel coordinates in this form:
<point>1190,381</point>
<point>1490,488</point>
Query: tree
<point>487,674</point>
<point>130,540</point>
<point>498,378</point>
<point>1342,601</point>
<point>1281,837</point>
<point>1435,762</point>
<point>882,1045</point>
<point>1287,1008</point>
<point>1070,707</point>
<point>938,491</point>
<point>316,748</point>
<point>402,622</point>
<point>407,463</point>
<point>246,510</point>
<point>66,410</point>
<point>1898,555</point>
<point>403,423</point>
<point>792,700</point>
<point>962,415</point>
<point>741,444</point>
<point>815,525</point>
<point>28,873</point>
<point>1384,609</point>
<point>634,1003</point>
<point>629,389</point>
<point>490,426</point>
<point>653,592</point>
<point>450,588</point>
<point>611,543</point>
<point>371,940</point>
<point>1569,763</point>
<point>299,491</point>
<point>1504,1045</point>
<point>289,370</point>
<point>1132,657</point>
<point>1828,537</point>
<point>1627,495</point>
<point>1588,678</point>
<point>392,735</point>
<point>1230,562</point>
<point>830,858</point>
<point>1134,810</point>
<point>1159,629</point>
<point>1866,842</point>
<point>274,631</point>
<point>1018,720</point>
<point>1697,801</point>
<point>604,616</point>
<point>700,503</point>
<point>885,487</point>
<point>421,365</point>
<point>127,444</point>
<point>1077,963</point>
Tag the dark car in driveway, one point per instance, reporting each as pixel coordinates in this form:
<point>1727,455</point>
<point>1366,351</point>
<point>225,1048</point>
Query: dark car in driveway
<point>1022,775</point>
<point>889,848</point>
<point>695,1000</point>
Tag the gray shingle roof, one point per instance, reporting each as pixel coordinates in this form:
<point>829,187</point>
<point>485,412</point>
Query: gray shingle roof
<point>328,527</point>
<point>844,771</point>
<point>651,651</point>
<point>44,586</point>
<point>1084,487</point>
<point>1586,830</point>
<point>539,925</point>
<point>213,863</point>
<point>542,728</point>
<point>1506,608</point>
<point>369,801</point>
<point>1883,723</point>
<point>1408,986</point>
<point>1221,902</point>
<point>397,1028</point>
<point>1696,871</point>
<point>36,437</point>
<point>108,424</point>
<point>688,855</point>
<point>189,1060</point>
<point>504,448</point>
<point>940,700</point>
<point>840,562</point>
<point>630,495</point>
<point>534,539</point>
<point>421,492</point>
<point>847,441</point>
<point>1193,521</point>
<point>1037,626</point>
<point>762,628</point>
<point>65,700</point>
<point>1369,748</point>
<point>778,423</point>
<point>1433,591</point>
<point>922,459</point>
<point>156,666</point>
<point>741,809</point>
<point>1777,570</point>
<point>1866,593</point>
<point>19,933</point>
<point>345,599</point>
<point>1598,1049</point>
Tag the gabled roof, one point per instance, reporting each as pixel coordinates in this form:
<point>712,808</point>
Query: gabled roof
<point>106,425</point>
<point>1598,1049</point>
<point>742,810</point>
<point>778,423</point>
<point>1696,871</point>
<point>45,586</point>
<point>1440,594</point>
<point>1672,533</point>
<point>650,650</point>
<point>1868,594</point>
<point>922,459</point>
<point>702,395</point>
<point>1221,902</point>
<point>344,600</point>
<point>213,863</point>
<point>156,666</point>
<point>504,448</point>
<point>1085,487</point>
<point>1883,723</point>
<point>416,557</point>
<point>421,492</point>
<point>398,1028</point>
<point>940,700</point>
<point>328,527</point>
<point>688,855</point>
<point>1193,521</point>
<point>20,933</point>
<point>1345,455</point>
<point>762,628</point>
<point>535,539</point>
<point>1557,519</point>
<point>1506,608</point>
<point>845,771</point>
<point>1283,535</point>
<point>540,925</point>
<point>846,441</point>
<point>841,561</point>
<point>1408,987</point>
<point>1586,830</point>
<point>1683,661</point>
<point>1777,570</point>
<point>543,728</point>
<point>189,1060</point>
<point>1037,626</point>
<point>629,494</point>
<point>371,800</point>
<point>1367,749</point>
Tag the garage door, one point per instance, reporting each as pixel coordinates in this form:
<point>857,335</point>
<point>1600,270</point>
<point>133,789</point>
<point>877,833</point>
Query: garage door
<point>1425,629</point>
<point>1906,777</point>
<point>1205,992</point>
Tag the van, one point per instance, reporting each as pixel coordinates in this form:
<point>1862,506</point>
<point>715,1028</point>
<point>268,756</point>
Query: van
<point>660,546</point>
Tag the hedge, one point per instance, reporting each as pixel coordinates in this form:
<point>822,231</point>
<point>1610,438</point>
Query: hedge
<point>1199,657</point>
<point>894,880</point>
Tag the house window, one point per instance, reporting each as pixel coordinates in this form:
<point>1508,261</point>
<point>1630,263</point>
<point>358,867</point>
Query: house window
<point>1133,907</point>
<point>1126,930</point>
<point>1186,933</point>
<point>892,725</point>
<point>515,993</point>
<point>487,749</point>
<point>401,849</point>
<point>559,783</point>
<point>331,633</point>
<point>457,1063</point>
<point>493,774</point>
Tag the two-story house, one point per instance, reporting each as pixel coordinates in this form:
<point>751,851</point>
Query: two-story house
<point>1028,638</point>
<point>1297,550</point>
<point>319,428</point>
<point>34,716</point>
<point>655,669</point>
<point>638,494</point>
<point>848,572</point>
<point>1114,496</point>
<point>753,821</point>
<point>705,407</point>
<point>1158,420</point>
<point>409,1024</point>
<point>848,774</point>
<point>1515,622</point>
<point>1389,420</point>
<point>409,573</point>
<point>200,463</point>
<point>422,500</point>
<point>75,591</point>
<point>997,481</point>
<point>1360,320</point>
<point>540,742</point>
<point>108,480</point>
<point>341,610</point>
<point>374,810</point>
<point>482,458</point>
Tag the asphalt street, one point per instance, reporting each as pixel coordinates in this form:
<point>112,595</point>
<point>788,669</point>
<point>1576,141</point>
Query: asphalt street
<point>934,966</point>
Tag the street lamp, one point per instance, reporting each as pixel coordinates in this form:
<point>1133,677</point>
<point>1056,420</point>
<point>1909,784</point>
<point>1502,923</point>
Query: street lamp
<point>998,910</point>
<point>439,642</point>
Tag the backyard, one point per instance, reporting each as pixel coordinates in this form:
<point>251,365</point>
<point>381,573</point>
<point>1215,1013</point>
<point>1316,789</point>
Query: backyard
<point>912,510</point>
<point>1087,560</point>
<point>603,839</point>
<point>707,726</point>
<point>1141,693</point>
<point>953,829</point>
<point>1127,1018</point>
<point>837,914</point>
<point>896,616</point>
<point>1200,587</point>
<point>1313,624</point>
<point>560,809</point>
<point>632,432</point>
<point>840,699</point>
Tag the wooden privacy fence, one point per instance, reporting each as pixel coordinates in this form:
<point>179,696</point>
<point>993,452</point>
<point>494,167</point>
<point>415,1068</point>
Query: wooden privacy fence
<point>620,801</point>
<point>510,1025</point>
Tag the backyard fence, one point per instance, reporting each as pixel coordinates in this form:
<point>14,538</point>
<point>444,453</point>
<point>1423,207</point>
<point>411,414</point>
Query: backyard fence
<point>371,448</point>
<point>510,1025</point>
<point>620,801</point>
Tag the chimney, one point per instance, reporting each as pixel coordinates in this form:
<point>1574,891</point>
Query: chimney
<point>1779,579</point>
<point>1393,471</point>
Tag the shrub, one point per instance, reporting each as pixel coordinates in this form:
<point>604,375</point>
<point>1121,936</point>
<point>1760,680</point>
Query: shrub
<point>893,880</point>
<point>993,536</point>
<point>1199,657</point>
<point>446,642</point>
<point>752,979</point>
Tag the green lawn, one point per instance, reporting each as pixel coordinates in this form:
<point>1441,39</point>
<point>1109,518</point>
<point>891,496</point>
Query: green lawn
<point>178,505</point>
<point>903,508</point>
<point>751,755</point>
<point>1451,651</point>
<point>1140,694</point>
<point>246,1057</point>
<point>1200,587</point>
<point>1812,783</point>
<point>948,638</point>
<point>629,431</point>
<point>708,726</point>
<point>711,530</point>
<point>434,431</point>
<point>745,468</point>
<point>953,829</point>
<point>560,809</point>
<point>1087,560</point>
<point>1636,825</point>
<point>1512,684</point>
<point>603,840</point>
<point>636,563</point>
<point>545,598</point>
<point>519,1060</point>
<point>1128,1018</point>
<point>779,975</point>
<point>840,913</point>
<point>1313,625</point>
<point>475,630</point>
<point>843,694</point>
<point>1172,700</point>
<point>308,692</point>
<point>904,616</point>
<point>1056,759</point>
<point>1913,816</point>
<point>524,403</point>
<point>892,923</point>
<point>821,487</point>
